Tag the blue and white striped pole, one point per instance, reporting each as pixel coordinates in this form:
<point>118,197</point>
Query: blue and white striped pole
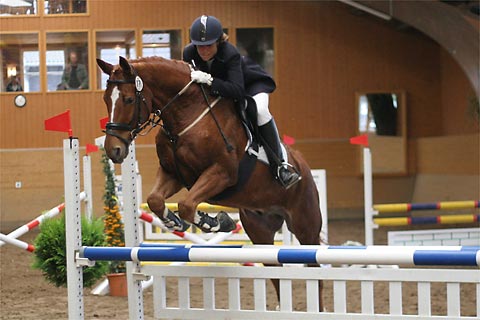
<point>375,255</point>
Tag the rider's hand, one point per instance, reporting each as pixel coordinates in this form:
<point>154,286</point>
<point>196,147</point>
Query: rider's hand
<point>201,77</point>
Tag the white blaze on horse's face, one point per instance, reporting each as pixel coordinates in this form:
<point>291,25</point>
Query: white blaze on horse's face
<point>114,97</point>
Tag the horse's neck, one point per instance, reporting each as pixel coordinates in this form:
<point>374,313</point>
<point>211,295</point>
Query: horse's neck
<point>164,77</point>
<point>165,80</point>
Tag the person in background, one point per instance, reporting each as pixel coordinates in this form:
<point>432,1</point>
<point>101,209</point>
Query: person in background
<point>75,76</point>
<point>14,85</point>
<point>220,66</point>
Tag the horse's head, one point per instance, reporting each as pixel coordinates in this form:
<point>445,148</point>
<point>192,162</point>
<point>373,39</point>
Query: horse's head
<point>129,104</point>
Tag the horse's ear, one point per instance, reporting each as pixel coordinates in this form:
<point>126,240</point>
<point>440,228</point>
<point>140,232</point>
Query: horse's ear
<point>105,66</point>
<point>126,67</point>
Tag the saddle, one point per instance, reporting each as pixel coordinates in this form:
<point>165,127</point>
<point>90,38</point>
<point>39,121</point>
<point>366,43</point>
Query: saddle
<point>255,149</point>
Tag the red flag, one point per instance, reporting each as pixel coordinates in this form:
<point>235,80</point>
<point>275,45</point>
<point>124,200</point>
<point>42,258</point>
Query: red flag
<point>60,122</point>
<point>288,140</point>
<point>103,123</point>
<point>91,148</point>
<point>362,139</point>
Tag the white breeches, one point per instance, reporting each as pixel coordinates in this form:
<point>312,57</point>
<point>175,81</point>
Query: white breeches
<point>263,113</point>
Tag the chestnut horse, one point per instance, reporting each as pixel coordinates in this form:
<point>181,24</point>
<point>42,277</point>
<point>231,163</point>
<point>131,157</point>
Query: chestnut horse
<point>200,146</point>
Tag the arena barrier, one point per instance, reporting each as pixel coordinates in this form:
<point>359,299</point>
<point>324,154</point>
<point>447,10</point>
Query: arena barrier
<point>372,210</point>
<point>136,273</point>
<point>437,237</point>
<point>342,286</point>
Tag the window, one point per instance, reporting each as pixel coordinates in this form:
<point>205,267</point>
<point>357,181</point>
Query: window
<point>67,61</point>
<point>257,43</point>
<point>65,6</point>
<point>162,43</point>
<point>20,62</point>
<point>378,113</point>
<point>18,7</point>
<point>110,46</point>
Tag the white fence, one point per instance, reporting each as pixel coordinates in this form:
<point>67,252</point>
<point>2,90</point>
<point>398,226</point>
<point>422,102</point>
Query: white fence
<point>436,237</point>
<point>339,288</point>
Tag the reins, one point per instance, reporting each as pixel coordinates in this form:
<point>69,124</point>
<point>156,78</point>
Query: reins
<point>136,126</point>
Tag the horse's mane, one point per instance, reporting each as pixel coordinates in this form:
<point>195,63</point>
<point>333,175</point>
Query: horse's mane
<point>159,62</point>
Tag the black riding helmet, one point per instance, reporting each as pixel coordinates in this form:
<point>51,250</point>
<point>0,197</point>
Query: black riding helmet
<point>205,30</point>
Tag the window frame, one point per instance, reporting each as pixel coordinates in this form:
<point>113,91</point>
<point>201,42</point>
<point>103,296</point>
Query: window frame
<point>43,57</point>
<point>97,72</point>
<point>56,15</point>
<point>274,45</point>
<point>21,65</point>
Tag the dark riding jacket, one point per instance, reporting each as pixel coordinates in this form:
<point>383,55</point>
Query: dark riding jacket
<point>233,76</point>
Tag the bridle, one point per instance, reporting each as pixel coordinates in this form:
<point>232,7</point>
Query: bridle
<point>136,126</point>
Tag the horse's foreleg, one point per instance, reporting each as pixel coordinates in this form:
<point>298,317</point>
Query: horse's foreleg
<point>211,182</point>
<point>164,187</point>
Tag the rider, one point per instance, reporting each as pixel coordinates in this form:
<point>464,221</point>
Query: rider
<point>220,65</point>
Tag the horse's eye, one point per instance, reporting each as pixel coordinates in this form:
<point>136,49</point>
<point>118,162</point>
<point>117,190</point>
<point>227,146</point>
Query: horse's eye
<point>129,100</point>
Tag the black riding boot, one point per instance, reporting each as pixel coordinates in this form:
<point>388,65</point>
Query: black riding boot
<point>285,173</point>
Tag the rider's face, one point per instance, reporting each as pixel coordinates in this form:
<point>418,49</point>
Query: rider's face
<point>207,52</point>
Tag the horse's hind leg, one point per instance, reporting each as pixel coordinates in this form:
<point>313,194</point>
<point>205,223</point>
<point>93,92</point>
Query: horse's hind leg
<point>261,229</point>
<point>305,223</point>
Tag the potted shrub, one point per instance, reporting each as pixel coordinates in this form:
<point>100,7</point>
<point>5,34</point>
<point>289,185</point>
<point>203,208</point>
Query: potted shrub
<point>114,232</point>
<point>50,250</point>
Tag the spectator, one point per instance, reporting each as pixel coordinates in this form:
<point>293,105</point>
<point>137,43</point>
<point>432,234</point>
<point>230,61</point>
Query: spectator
<point>75,76</point>
<point>14,85</point>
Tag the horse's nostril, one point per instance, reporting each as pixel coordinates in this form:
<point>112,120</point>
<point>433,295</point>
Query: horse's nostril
<point>117,152</point>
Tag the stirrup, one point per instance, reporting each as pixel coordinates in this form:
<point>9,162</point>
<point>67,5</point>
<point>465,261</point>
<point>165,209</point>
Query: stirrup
<point>221,223</point>
<point>294,177</point>
<point>173,222</point>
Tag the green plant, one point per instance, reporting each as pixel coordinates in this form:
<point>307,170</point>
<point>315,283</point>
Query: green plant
<point>50,251</point>
<point>113,225</point>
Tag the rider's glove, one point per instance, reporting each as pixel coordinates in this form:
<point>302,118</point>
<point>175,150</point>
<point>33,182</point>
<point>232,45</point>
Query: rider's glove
<point>201,77</point>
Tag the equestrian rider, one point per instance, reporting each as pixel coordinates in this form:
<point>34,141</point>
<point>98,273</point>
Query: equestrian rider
<point>220,65</point>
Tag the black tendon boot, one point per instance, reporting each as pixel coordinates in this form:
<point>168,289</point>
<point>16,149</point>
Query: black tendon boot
<point>221,223</point>
<point>173,222</point>
<point>285,173</point>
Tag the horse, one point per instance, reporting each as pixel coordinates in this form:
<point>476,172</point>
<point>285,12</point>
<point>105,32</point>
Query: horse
<point>200,146</point>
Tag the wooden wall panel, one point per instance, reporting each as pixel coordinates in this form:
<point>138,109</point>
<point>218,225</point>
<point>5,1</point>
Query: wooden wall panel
<point>449,155</point>
<point>323,56</point>
<point>458,110</point>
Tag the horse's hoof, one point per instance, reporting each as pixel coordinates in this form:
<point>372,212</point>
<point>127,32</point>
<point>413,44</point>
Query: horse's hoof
<point>226,222</point>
